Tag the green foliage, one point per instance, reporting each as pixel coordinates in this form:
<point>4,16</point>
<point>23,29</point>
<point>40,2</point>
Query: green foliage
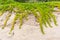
<point>42,11</point>
<point>5,22</point>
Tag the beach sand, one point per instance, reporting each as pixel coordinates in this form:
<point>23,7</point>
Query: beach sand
<point>30,29</point>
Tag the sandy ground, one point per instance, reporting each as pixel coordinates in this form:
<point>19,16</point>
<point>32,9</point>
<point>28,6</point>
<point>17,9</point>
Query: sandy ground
<point>30,29</point>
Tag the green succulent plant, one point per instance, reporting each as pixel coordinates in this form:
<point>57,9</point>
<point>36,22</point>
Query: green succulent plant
<point>43,17</point>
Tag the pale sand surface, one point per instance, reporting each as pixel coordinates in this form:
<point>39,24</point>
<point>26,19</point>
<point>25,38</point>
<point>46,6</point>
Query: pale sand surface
<point>30,29</point>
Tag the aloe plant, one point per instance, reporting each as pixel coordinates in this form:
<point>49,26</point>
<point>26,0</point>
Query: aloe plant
<point>43,17</point>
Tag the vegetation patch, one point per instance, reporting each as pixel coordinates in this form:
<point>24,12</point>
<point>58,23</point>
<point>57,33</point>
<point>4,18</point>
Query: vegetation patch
<point>43,12</point>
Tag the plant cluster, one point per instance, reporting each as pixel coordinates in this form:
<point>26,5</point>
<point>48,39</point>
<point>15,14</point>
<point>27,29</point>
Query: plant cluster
<point>43,12</point>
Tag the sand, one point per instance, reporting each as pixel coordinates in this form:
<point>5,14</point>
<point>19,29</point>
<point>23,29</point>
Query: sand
<point>30,29</point>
